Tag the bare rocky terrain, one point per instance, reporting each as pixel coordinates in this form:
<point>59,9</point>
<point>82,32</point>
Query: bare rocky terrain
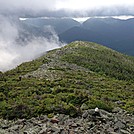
<point>117,122</point>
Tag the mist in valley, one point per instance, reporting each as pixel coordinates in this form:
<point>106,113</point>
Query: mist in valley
<point>14,50</point>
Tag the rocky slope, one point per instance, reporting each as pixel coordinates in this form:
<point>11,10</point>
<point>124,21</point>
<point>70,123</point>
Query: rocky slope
<point>117,122</point>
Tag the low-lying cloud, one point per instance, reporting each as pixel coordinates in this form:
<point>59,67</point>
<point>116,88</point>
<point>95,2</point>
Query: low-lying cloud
<point>13,53</point>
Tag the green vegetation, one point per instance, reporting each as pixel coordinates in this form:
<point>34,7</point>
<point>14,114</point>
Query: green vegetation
<point>65,79</point>
<point>101,60</point>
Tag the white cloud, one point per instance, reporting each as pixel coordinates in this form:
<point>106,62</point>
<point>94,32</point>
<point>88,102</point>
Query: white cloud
<point>68,5</point>
<point>30,5</point>
<point>91,4</point>
<point>13,54</point>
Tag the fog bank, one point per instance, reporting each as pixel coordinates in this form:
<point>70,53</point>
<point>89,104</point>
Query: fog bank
<point>13,52</point>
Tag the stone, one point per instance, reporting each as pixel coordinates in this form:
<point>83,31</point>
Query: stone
<point>12,132</point>
<point>80,122</point>
<point>116,110</point>
<point>15,127</point>
<point>71,132</point>
<point>85,114</point>
<point>64,132</point>
<point>119,124</point>
<point>105,114</point>
<point>107,126</point>
<point>90,124</point>
<point>61,117</point>
<point>115,119</point>
<point>54,120</point>
<point>98,132</point>
<point>25,132</point>
<point>113,133</point>
<point>110,130</point>
<point>42,132</point>
<point>82,128</point>
<point>91,111</point>
<point>44,129</point>
<point>116,129</point>
<point>74,125</point>
<point>3,131</point>
<point>124,131</point>
<point>55,129</point>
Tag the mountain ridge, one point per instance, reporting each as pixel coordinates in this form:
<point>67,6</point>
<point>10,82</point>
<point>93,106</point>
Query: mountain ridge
<point>65,79</point>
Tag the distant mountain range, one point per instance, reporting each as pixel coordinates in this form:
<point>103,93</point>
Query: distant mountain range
<point>28,31</point>
<point>60,25</point>
<point>114,33</point>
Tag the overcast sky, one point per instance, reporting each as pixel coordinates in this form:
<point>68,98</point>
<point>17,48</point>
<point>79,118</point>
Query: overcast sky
<point>91,4</point>
<point>67,7</point>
